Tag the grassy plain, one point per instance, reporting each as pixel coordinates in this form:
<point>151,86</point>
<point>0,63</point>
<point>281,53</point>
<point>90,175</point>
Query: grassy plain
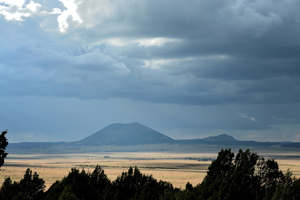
<point>177,168</point>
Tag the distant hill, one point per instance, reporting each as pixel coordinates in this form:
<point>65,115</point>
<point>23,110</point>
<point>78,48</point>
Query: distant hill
<point>222,139</point>
<point>125,134</point>
<point>137,137</point>
<point>228,140</point>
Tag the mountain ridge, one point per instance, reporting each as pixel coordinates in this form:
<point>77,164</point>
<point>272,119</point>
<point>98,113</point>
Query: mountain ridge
<point>135,134</point>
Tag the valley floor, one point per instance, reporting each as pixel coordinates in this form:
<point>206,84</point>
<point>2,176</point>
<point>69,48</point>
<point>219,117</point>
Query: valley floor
<point>177,168</point>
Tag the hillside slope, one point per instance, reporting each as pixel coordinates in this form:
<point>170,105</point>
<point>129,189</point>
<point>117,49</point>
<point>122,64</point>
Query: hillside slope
<point>125,134</point>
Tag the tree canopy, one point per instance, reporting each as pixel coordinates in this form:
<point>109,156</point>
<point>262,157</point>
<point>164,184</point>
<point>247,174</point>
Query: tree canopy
<point>3,145</point>
<point>242,176</point>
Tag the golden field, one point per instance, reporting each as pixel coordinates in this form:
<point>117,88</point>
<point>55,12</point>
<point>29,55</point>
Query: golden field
<point>175,168</point>
<point>172,167</point>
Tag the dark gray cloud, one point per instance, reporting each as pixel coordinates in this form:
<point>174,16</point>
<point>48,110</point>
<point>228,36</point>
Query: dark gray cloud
<point>234,65</point>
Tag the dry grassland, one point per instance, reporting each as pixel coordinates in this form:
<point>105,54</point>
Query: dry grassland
<point>175,168</point>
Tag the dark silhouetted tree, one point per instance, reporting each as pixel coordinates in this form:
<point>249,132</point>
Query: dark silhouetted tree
<point>3,145</point>
<point>80,185</point>
<point>245,176</point>
<point>135,185</point>
<point>9,189</point>
<point>32,185</point>
<point>99,179</point>
<point>269,177</point>
<point>288,189</point>
<point>67,194</point>
<point>214,183</point>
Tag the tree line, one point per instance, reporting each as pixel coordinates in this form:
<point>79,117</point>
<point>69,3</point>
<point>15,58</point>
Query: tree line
<point>242,176</point>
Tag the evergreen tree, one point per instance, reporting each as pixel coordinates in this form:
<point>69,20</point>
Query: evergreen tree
<point>100,178</point>
<point>214,183</point>
<point>81,185</point>
<point>67,194</point>
<point>269,177</point>
<point>32,185</point>
<point>3,145</point>
<point>288,189</point>
<point>135,185</point>
<point>244,183</point>
<point>9,189</point>
<point>230,177</point>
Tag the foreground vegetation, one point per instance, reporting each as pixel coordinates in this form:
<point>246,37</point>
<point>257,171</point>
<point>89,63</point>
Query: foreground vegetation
<point>241,176</point>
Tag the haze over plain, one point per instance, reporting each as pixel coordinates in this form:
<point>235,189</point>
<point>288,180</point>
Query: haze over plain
<point>188,69</point>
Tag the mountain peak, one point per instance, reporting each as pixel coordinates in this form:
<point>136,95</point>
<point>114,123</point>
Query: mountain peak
<point>125,134</point>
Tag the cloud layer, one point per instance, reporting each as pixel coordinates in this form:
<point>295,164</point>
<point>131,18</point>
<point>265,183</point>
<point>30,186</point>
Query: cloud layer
<point>241,55</point>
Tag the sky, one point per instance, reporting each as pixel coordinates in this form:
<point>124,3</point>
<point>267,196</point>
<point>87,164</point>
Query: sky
<point>186,68</point>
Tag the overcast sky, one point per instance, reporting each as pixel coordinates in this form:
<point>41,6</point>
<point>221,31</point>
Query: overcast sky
<point>186,68</point>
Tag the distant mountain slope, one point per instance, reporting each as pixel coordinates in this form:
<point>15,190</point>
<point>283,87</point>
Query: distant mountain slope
<point>126,137</point>
<point>227,140</point>
<point>125,134</point>
<point>222,138</point>
<point>34,144</point>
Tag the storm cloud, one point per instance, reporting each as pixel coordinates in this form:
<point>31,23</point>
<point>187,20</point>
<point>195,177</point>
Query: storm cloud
<point>204,67</point>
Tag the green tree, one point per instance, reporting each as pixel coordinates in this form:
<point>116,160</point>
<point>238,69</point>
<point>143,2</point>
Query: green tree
<point>284,190</point>
<point>78,185</point>
<point>9,189</point>
<point>67,194</point>
<point>288,189</point>
<point>245,176</point>
<point>186,194</point>
<point>32,185</point>
<point>135,185</point>
<point>3,145</point>
<point>244,182</point>
<point>217,175</point>
<point>100,179</point>
<point>269,177</point>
